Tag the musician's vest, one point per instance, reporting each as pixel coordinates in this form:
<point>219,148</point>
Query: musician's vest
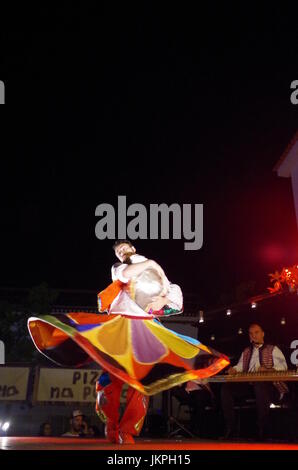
<point>266,360</point>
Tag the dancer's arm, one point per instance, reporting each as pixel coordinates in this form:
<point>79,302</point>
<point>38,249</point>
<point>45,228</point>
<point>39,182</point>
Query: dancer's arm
<point>132,270</point>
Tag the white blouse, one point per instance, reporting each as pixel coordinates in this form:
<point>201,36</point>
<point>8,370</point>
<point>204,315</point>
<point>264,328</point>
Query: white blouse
<point>174,293</point>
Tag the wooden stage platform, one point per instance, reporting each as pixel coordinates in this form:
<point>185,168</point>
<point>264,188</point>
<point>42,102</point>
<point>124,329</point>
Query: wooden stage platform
<point>62,443</point>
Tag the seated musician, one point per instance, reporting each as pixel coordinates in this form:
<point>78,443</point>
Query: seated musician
<point>258,357</point>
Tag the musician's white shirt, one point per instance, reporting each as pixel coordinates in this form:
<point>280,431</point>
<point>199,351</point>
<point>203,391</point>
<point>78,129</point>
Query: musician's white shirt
<point>279,361</point>
<point>174,293</point>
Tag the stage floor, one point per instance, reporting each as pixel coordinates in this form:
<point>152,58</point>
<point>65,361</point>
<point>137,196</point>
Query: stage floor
<point>62,443</point>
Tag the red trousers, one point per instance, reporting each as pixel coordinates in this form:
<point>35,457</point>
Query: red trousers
<point>108,409</point>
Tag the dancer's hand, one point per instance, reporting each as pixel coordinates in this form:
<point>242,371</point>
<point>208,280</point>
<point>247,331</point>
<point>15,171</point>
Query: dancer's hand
<point>157,303</point>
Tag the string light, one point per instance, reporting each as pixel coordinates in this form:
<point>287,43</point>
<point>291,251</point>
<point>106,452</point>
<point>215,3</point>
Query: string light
<point>287,276</point>
<point>212,338</point>
<point>201,316</point>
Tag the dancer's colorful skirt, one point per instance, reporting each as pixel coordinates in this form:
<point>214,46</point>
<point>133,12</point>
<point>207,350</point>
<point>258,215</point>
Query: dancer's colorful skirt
<point>140,352</point>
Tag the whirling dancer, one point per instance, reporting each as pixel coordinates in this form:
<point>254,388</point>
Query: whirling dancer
<point>129,343</point>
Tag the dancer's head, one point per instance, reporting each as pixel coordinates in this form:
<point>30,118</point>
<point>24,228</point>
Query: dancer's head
<point>123,249</point>
<point>256,334</point>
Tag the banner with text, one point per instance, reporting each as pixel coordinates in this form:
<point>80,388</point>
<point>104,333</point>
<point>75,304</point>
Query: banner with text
<point>67,385</point>
<point>14,383</point>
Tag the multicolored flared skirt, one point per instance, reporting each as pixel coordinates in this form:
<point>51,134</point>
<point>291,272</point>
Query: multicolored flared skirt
<point>141,352</point>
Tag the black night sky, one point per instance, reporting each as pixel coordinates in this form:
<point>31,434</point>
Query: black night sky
<point>174,105</point>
